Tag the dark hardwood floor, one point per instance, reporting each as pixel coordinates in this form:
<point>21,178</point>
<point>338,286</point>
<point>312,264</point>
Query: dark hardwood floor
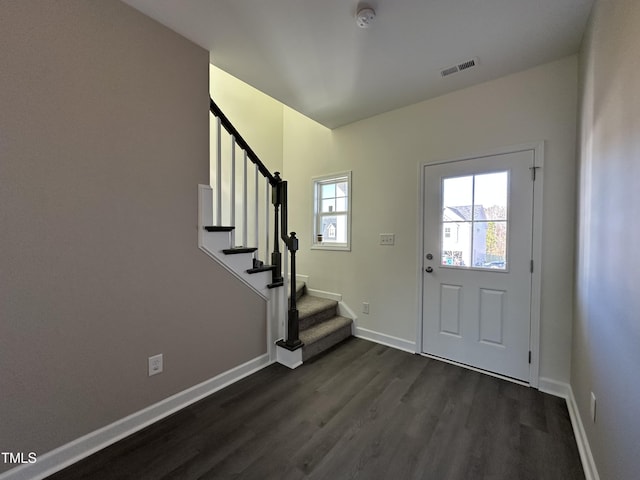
<point>362,411</point>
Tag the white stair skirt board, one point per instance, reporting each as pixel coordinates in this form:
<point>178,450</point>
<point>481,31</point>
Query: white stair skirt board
<point>565,391</point>
<point>288,358</point>
<point>346,312</point>
<point>312,292</point>
<point>55,460</point>
<point>384,339</point>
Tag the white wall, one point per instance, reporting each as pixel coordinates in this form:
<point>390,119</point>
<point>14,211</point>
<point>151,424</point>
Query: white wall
<point>606,339</point>
<point>257,116</point>
<point>384,153</point>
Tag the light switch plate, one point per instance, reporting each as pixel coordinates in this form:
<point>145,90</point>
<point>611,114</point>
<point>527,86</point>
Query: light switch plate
<point>387,238</point>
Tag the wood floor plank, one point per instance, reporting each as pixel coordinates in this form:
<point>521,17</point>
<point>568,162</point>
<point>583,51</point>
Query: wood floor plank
<point>368,447</point>
<point>360,411</point>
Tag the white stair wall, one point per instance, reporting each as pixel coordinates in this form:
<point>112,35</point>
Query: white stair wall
<point>213,244</point>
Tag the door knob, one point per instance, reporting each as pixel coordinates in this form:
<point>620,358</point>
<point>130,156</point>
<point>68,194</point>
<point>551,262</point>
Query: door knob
<point>428,270</point>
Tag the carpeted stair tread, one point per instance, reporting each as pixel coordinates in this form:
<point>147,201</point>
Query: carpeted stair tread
<point>309,306</point>
<point>325,335</point>
<point>320,325</point>
<point>323,329</point>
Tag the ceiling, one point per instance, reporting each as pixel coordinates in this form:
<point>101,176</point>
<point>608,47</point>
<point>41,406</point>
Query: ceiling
<point>311,55</point>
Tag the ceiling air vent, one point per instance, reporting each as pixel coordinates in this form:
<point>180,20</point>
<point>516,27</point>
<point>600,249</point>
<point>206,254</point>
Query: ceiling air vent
<point>445,72</point>
<point>449,71</point>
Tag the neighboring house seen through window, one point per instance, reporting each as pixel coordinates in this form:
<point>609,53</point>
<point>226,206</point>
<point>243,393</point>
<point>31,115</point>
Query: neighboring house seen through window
<point>332,212</point>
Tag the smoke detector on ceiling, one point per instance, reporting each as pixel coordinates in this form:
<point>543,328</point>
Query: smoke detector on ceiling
<point>365,17</point>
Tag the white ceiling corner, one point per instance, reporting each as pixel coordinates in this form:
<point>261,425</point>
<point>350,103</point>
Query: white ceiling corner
<point>311,55</point>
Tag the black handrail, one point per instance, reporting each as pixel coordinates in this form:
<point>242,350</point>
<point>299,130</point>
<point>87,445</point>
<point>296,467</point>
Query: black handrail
<point>279,201</point>
<point>241,142</point>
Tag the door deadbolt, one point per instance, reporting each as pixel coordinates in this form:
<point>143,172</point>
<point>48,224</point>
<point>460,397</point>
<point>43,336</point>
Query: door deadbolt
<point>429,256</point>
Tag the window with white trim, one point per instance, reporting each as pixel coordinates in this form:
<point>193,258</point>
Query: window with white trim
<point>332,212</point>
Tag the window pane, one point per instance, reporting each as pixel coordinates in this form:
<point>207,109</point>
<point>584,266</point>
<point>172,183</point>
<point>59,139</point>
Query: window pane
<point>334,228</point>
<point>457,198</point>
<point>328,190</point>
<point>474,221</point>
<point>341,228</point>
<point>342,189</point>
<point>328,229</point>
<point>328,205</point>
<point>456,248</point>
<point>491,195</point>
<point>341,204</point>
<point>490,245</point>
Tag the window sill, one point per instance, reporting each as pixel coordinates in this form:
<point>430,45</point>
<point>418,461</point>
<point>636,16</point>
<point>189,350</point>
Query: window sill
<point>340,247</point>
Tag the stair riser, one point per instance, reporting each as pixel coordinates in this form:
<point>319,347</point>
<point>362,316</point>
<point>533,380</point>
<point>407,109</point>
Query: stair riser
<point>326,343</point>
<point>300,292</point>
<point>239,262</point>
<point>316,318</point>
<point>216,241</point>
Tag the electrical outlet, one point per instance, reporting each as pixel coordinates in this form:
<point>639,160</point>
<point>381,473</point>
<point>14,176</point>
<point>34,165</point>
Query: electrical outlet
<point>155,364</point>
<point>593,407</point>
<point>387,238</point>
<point>365,307</point>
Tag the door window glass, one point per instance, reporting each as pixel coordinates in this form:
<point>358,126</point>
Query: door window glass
<point>475,221</point>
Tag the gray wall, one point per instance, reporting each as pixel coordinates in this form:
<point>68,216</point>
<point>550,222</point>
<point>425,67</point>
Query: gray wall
<point>606,340</point>
<point>103,139</point>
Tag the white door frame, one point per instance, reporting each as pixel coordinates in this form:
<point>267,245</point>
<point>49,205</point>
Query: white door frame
<point>536,254</point>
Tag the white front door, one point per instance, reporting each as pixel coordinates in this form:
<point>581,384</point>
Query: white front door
<point>478,220</point>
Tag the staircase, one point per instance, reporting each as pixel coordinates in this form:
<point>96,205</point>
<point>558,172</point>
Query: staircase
<point>321,327</point>
<point>253,203</point>
<point>217,242</point>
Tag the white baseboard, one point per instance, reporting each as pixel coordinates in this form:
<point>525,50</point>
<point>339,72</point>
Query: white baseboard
<point>554,387</point>
<point>565,391</point>
<point>588,463</point>
<point>384,339</point>
<point>74,451</point>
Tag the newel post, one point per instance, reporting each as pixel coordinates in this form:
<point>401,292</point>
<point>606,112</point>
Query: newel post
<point>276,256</point>
<point>293,328</point>
<point>292,342</point>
